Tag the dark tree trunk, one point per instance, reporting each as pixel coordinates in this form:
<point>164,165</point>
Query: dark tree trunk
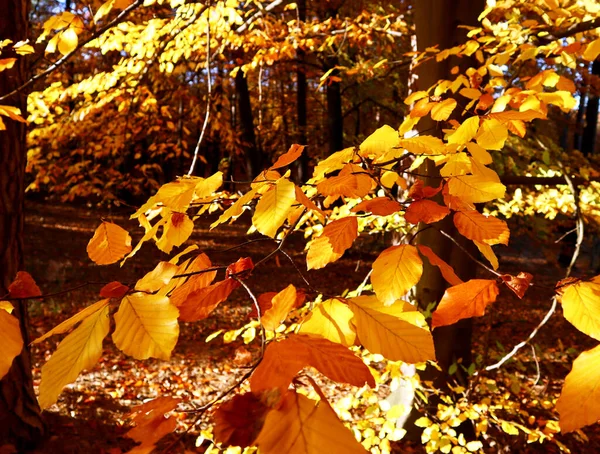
<point>301,102</point>
<point>588,139</point>
<point>252,155</point>
<point>20,420</point>
<point>335,119</point>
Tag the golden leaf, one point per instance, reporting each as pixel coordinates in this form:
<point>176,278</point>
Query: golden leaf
<point>447,271</point>
<point>380,142</point>
<point>335,239</point>
<point>581,306</point>
<point>492,134</point>
<point>176,231</point>
<point>465,132</point>
<point>272,209</point>
<point>426,211</point>
<point>330,320</point>
<point>443,110</point>
<point>465,301</point>
<point>282,303</point>
<point>109,244</point>
<point>395,271</point>
<point>479,227</point>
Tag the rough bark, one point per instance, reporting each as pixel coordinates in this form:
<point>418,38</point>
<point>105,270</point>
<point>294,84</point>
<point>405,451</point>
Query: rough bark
<point>252,154</point>
<point>20,421</point>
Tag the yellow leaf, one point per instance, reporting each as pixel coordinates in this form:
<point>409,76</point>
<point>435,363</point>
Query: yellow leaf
<point>10,339</point>
<point>14,113</point>
<point>67,41</point>
<point>103,10</point>
<point>70,322</point>
<point>581,306</point>
<point>7,63</point>
<point>272,209</point>
<point>479,153</point>
<point>423,145</point>
<point>79,350</point>
<point>488,253</point>
<point>465,300</point>
<point>443,110</point>
<point>236,209</point>
<point>483,186</point>
<point>592,50</point>
<point>479,227</point>
<point>330,320</point>
<point>465,132</point>
<point>395,271</point>
<point>176,231</point>
<point>579,402</point>
<point>175,195</point>
<point>157,278</point>
<point>6,306</point>
<point>378,143</point>
<point>336,238</point>
<point>447,271</point>
<point>301,425</point>
<point>492,135</point>
<point>415,97</point>
<point>283,303</point>
<point>207,186</point>
<point>457,164</point>
<point>309,204</point>
<point>392,331</point>
<point>146,326</point>
<point>109,244</point>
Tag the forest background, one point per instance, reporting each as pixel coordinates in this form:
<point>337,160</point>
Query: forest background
<point>188,103</point>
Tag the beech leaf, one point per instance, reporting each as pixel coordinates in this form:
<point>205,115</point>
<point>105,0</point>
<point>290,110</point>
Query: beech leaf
<point>109,244</point>
<point>465,300</point>
<point>395,272</point>
<point>10,339</point>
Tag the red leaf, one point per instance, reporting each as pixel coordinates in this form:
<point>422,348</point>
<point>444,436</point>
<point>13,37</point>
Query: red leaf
<point>24,286</point>
<point>239,420</point>
<point>114,289</point>
<point>419,191</point>
<point>379,206</point>
<point>200,303</point>
<point>519,283</point>
<point>426,211</point>
<point>240,269</point>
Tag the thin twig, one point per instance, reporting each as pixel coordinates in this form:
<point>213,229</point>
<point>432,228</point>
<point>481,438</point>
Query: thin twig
<point>263,337</point>
<point>205,270</point>
<point>208,100</point>
<point>49,295</point>
<point>537,366</point>
<point>480,263</point>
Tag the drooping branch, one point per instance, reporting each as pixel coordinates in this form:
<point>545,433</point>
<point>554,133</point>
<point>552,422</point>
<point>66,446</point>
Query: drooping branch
<point>557,33</point>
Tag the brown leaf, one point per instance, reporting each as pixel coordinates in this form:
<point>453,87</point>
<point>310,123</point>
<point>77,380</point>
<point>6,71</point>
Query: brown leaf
<point>114,289</point>
<point>519,283</point>
<point>239,420</point>
<point>23,286</point>
<point>240,269</point>
<point>200,303</point>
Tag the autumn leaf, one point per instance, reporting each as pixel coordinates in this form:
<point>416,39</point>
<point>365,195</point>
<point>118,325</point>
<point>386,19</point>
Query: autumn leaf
<point>200,303</point>
<point>157,278</point>
<point>492,134</point>
<point>483,186</point>
<point>176,196</point>
<point>592,50</point>
<point>443,110</point>
<point>424,145</point>
<point>176,231</point>
<point>330,320</point>
<point>109,244</point>
<point>426,211</point>
<point>447,271</point>
<point>272,208</point>
<point>579,401</point>
<point>239,420</point>
<point>465,301</point>
<point>241,269</point>
<point>336,238</point>
<point>151,422</point>
<point>236,209</point>
<point>309,204</point>
<point>419,191</point>
<point>479,227</point>
<point>301,425</point>
<point>378,206</point>
<point>465,132</point>
<point>80,350</point>
<point>392,331</point>
<point>67,41</point>
<point>10,339</point>
<point>352,182</point>
<point>284,359</point>
<point>114,289</point>
<point>395,272</point>
<point>487,251</point>
<point>72,321</point>
<point>381,141</point>
<point>23,286</point>
<point>282,304</point>
<point>146,326</point>
<point>287,158</point>
<point>580,302</point>
<point>195,282</point>
<point>519,283</point>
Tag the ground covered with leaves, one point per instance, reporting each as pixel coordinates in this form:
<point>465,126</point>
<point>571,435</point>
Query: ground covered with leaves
<point>92,414</point>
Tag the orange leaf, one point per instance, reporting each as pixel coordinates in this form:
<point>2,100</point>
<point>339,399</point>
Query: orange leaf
<point>265,302</point>
<point>287,158</point>
<point>109,244</point>
<point>304,200</point>
<point>151,423</point>
<point>239,420</point>
<point>478,227</point>
<point>240,269</point>
<point>465,301</point>
<point>195,282</point>
<point>284,359</point>
<point>446,270</point>
<point>200,303</point>
<point>281,304</point>
<point>419,191</point>
<point>337,236</point>
<point>519,283</point>
<point>395,272</point>
<point>23,286</point>
<point>114,289</point>
<point>379,206</point>
<point>426,211</point>
<point>353,181</point>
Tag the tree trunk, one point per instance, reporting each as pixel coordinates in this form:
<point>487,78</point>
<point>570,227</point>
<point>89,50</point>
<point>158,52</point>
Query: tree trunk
<point>335,119</point>
<point>588,139</point>
<point>252,154</point>
<point>301,93</point>
<point>20,421</point>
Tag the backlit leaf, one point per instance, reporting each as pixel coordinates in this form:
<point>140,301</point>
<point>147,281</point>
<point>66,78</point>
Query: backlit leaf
<point>239,420</point>
<point>195,282</point>
<point>150,422</point>
<point>309,204</point>
<point>352,182</point>
<point>465,132</point>
<point>426,211</point>
<point>284,359</point>
<point>176,231</point>
<point>581,306</point>
<point>157,278</point>
<point>236,209</point>
<point>379,206</point>
<point>579,402</point>
<point>330,320</point>
<point>487,251</point>
<point>465,301</point>
<point>392,331</point>
<point>479,227</point>
<point>200,303</point>
<point>335,239</point>
<point>10,339</point>
<point>146,326</point>
<point>80,350</point>
<point>72,321</point>
<point>492,134</point>
<point>287,158</point>
<point>423,145</point>
<point>67,41</point>
<point>519,283</point>
<point>109,244</point>
<point>272,209</point>
<point>23,286</point>
<point>114,290</point>
<point>302,426</point>
<point>395,272</point>
<point>447,271</point>
<point>378,143</point>
<point>282,304</point>
<point>443,110</point>
<point>592,50</point>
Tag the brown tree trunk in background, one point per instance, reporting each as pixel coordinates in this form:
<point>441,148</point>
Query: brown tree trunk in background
<point>335,119</point>
<point>588,138</point>
<point>252,154</point>
<point>301,102</point>
<point>20,421</point>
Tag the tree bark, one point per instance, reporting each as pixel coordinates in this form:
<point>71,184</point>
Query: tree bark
<point>335,118</point>
<point>20,421</point>
<point>252,154</point>
<point>588,138</point>
<point>301,94</point>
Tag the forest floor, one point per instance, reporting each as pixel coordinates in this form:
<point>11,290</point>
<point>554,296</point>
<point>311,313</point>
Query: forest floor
<point>91,415</point>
